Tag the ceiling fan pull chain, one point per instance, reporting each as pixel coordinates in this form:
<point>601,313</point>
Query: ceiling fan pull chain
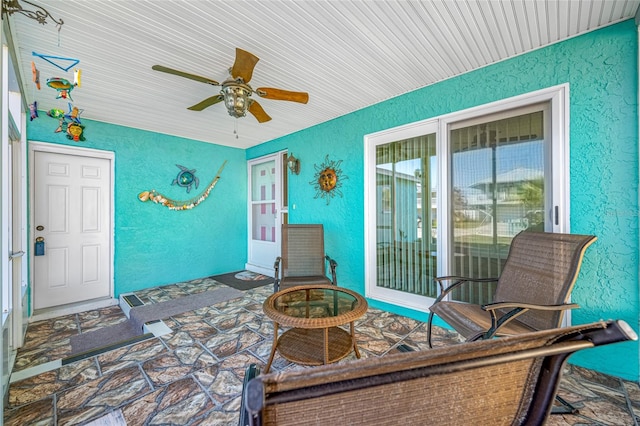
<point>235,128</point>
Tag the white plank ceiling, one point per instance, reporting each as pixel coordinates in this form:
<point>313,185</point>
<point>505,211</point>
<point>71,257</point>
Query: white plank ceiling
<point>346,54</point>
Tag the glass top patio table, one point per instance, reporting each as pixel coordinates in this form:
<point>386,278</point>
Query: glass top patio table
<point>318,305</point>
<point>314,313</point>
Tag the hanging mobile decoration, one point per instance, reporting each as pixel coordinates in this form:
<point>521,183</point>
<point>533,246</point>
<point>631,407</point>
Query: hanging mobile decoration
<point>72,128</point>
<point>158,198</point>
<point>35,75</point>
<point>55,113</point>
<point>58,61</point>
<point>328,179</point>
<point>74,114</point>
<point>62,85</point>
<point>62,125</point>
<point>58,114</point>
<point>75,132</point>
<point>33,110</point>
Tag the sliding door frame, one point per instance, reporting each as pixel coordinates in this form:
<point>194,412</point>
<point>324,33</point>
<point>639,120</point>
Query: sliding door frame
<point>557,214</point>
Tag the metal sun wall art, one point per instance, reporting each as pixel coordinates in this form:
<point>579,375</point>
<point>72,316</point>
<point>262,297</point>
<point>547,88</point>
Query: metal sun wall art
<point>158,198</point>
<point>328,179</point>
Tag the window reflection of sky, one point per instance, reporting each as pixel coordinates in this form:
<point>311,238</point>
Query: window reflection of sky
<point>473,166</point>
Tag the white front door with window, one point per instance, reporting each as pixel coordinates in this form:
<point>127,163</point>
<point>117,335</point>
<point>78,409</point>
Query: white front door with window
<point>72,198</point>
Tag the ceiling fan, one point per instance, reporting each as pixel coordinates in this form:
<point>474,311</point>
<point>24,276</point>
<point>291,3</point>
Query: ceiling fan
<point>236,91</point>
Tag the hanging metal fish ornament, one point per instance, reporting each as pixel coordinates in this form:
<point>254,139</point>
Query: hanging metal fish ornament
<point>62,85</point>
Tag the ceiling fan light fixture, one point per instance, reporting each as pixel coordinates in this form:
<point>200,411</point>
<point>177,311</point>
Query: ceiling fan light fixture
<point>235,92</point>
<point>236,98</point>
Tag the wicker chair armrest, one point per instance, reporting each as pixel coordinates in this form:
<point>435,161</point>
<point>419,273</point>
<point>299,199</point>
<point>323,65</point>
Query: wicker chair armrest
<point>457,277</point>
<point>498,319</point>
<point>528,306</point>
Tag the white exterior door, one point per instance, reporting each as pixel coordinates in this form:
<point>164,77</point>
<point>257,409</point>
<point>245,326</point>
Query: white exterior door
<point>267,211</point>
<point>72,196</point>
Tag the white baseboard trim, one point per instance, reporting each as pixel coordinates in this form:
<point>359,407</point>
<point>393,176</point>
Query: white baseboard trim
<point>72,308</point>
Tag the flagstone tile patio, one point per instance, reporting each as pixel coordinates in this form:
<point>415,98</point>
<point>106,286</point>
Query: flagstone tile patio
<point>194,375</point>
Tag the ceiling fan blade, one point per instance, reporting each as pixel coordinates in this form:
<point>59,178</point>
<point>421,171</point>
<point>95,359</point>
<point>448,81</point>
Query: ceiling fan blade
<point>185,75</point>
<point>244,64</point>
<point>256,109</point>
<point>206,103</point>
<point>282,95</point>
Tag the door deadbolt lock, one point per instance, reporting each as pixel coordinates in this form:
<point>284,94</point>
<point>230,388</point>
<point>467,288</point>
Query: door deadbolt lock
<point>39,247</point>
<point>39,228</point>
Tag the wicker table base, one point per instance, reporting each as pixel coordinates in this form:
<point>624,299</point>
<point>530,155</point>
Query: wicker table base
<point>314,314</point>
<point>308,346</point>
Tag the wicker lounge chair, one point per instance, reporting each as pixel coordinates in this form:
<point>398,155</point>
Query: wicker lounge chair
<point>509,381</point>
<point>302,260</point>
<point>532,291</point>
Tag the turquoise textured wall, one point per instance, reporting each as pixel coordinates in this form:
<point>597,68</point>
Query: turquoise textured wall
<point>601,69</point>
<point>154,245</point>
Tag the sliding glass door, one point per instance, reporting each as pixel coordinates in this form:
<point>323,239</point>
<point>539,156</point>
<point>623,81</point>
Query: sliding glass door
<point>497,168</point>
<point>446,196</point>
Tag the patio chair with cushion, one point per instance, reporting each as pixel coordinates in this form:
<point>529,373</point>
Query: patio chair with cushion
<point>303,260</point>
<point>509,381</point>
<point>531,294</point>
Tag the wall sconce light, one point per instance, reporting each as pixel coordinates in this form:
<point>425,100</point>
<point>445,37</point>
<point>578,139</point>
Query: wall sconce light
<point>294,164</point>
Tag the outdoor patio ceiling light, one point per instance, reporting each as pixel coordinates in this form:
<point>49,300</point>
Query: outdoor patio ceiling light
<point>294,164</point>
<point>236,98</point>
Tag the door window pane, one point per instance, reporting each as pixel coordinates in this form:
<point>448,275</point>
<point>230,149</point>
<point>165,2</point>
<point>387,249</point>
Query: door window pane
<point>497,190</point>
<point>263,209</point>
<point>263,180</point>
<point>405,218</point>
<point>263,223</point>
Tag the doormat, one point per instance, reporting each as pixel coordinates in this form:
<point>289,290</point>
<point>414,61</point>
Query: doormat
<point>243,280</point>
<point>139,315</point>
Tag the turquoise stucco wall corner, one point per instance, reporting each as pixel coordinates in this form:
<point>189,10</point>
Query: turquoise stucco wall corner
<point>601,70</point>
<point>604,188</point>
<point>152,244</point>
